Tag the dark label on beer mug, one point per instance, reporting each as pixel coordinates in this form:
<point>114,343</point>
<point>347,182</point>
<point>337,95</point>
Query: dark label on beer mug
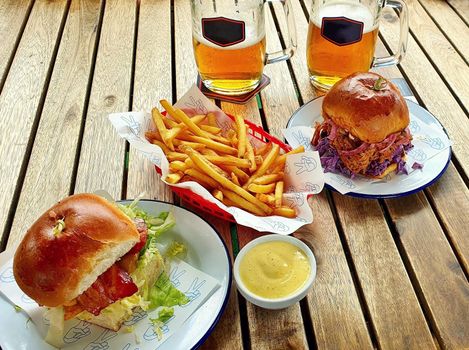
<point>223,31</point>
<point>341,30</point>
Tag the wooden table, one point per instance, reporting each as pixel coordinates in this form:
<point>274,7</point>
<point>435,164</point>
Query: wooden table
<point>392,274</point>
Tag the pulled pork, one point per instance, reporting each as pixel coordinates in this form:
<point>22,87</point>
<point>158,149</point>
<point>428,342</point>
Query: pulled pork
<point>341,152</point>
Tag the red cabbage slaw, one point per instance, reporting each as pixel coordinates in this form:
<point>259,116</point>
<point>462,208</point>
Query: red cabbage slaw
<point>330,156</point>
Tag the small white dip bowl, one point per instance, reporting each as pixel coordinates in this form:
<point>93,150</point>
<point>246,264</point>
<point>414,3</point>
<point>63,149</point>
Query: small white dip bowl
<point>278,303</point>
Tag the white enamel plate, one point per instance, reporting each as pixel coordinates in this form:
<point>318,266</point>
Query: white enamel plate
<point>397,185</point>
<point>205,251</point>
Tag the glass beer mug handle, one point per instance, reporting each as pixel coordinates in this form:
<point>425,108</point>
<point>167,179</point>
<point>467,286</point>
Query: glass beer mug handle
<point>401,8</point>
<point>288,52</point>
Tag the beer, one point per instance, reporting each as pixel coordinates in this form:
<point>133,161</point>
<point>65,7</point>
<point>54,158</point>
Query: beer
<point>329,62</point>
<point>231,70</point>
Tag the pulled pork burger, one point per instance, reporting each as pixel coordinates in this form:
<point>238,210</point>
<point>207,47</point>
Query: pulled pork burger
<point>365,129</point>
<point>85,257</point>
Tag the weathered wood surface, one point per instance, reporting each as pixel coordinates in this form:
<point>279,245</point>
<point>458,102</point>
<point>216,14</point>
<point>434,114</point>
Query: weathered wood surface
<point>14,15</point>
<point>53,155</point>
<point>21,97</point>
<point>333,302</point>
<point>449,23</point>
<point>102,150</point>
<point>452,67</point>
<point>436,272</point>
<point>396,315</point>
<point>152,82</point>
<point>448,194</point>
<point>461,7</point>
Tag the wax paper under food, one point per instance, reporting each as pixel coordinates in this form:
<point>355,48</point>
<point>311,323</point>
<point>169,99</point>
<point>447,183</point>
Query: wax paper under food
<point>138,330</point>
<point>428,140</point>
<point>305,176</point>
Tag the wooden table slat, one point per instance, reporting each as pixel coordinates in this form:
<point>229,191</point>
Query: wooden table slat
<point>450,24</point>
<point>332,301</point>
<point>461,7</point>
<point>152,82</point>
<point>452,67</point>
<point>14,15</point>
<point>53,155</point>
<point>110,93</point>
<point>437,272</point>
<point>227,334</point>
<point>396,317</point>
<point>451,199</point>
<point>21,95</point>
<point>186,70</point>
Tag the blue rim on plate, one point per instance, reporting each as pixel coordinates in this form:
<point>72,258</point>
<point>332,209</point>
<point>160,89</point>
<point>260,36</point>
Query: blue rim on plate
<point>202,336</point>
<point>391,195</point>
<point>230,269</point>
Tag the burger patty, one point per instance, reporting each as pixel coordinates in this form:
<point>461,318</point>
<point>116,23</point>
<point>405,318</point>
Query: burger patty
<point>357,155</point>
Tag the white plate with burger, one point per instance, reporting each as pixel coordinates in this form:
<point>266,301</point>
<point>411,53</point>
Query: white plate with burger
<point>129,269</point>
<point>363,129</point>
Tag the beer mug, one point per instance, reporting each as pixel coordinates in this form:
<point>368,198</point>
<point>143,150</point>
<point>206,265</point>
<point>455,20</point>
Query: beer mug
<point>228,38</point>
<point>342,37</point>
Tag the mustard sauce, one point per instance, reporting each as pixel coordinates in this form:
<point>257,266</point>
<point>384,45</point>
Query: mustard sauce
<point>274,270</point>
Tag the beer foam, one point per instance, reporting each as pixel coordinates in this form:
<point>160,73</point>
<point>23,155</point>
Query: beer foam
<point>351,10</point>
<point>250,40</point>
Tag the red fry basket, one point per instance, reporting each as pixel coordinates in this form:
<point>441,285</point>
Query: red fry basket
<point>199,202</point>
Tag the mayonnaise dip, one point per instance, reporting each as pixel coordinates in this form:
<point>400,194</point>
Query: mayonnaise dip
<point>274,270</point>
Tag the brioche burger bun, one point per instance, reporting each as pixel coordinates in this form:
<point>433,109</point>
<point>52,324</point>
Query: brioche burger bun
<point>92,259</point>
<point>69,246</point>
<point>365,129</point>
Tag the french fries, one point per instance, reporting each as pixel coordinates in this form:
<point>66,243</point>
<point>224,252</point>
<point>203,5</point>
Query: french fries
<point>223,161</point>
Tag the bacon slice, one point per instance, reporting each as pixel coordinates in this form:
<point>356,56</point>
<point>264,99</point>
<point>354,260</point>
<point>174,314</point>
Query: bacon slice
<point>112,285</point>
<point>143,230</point>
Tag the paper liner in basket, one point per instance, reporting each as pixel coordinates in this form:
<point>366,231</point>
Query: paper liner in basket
<point>303,172</point>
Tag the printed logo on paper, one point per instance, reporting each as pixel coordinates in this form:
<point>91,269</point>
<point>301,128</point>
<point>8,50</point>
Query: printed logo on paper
<point>305,165</point>
<point>77,332</point>
<point>7,275</point>
<point>223,31</point>
<point>341,31</point>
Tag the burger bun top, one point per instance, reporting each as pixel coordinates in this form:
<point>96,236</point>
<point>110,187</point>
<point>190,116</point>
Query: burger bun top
<point>54,266</point>
<point>369,109</point>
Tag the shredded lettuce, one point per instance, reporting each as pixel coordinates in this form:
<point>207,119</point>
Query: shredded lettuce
<point>149,267</point>
<point>164,314</point>
<point>163,293</point>
<point>175,249</point>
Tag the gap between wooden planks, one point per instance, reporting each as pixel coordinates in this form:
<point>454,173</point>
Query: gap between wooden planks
<point>14,15</point>
<point>22,98</point>
<point>53,156</point>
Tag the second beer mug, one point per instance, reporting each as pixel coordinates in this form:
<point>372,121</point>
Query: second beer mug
<point>342,37</point>
<point>229,43</point>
